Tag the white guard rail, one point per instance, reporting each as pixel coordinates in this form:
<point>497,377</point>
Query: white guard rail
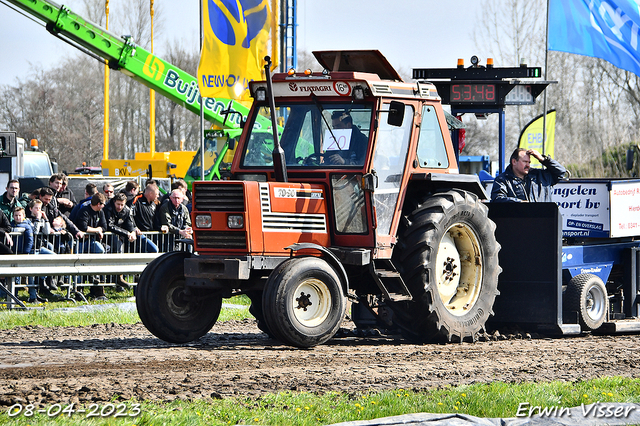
<point>74,264</point>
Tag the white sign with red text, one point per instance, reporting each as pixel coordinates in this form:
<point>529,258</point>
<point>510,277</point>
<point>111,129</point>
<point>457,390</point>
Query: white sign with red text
<point>625,209</point>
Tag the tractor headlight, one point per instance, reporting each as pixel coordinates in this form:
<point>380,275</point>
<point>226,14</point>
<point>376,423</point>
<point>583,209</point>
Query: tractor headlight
<point>203,221</point>
<point>235,221</point>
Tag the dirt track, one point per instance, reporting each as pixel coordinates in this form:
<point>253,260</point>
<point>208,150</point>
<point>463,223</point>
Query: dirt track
<point>90,364</point>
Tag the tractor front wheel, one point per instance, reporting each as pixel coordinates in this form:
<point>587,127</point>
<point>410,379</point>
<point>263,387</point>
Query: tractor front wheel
<point>303,302</point>
<point>170,310</point>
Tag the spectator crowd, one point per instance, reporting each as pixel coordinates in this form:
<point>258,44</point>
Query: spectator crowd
<point>50,220</point>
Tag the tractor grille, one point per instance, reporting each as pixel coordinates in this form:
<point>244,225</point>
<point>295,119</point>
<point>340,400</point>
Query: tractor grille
<point>222,239</point>
<point>218,197</point>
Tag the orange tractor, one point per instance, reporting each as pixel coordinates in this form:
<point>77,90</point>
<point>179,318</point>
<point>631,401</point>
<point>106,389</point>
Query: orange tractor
<point>352,193</point>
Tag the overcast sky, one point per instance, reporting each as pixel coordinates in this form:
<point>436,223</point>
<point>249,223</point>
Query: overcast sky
<point>410,33</point>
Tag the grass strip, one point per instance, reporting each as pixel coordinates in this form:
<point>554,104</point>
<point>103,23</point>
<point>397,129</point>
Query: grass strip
<point>50,314</point>
<point>301,408</point>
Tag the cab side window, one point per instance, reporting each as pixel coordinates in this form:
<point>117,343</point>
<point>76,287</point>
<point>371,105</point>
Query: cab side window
<point>432,153</point>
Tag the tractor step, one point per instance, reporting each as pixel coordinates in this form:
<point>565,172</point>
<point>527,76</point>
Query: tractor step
<point>395,297</point>
<point>388,274</point>
<point>389,281</point>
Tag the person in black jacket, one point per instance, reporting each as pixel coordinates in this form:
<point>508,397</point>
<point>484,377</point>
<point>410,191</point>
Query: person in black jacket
<point>5,239</point>
<point>5,244</point>
<point>144,208</point>
<point>520,183</point>
<point>64,197</point>
<point>354,153</point>
<point>91,220</point>
<point>89,190</point>
<point>120,222</point>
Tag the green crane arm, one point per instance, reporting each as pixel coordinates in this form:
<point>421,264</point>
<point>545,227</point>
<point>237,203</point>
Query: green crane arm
<point>123,55</point>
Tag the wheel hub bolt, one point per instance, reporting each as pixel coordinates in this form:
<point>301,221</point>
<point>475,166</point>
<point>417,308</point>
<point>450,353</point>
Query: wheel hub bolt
<point>303,301</point>
<point>449,267</point>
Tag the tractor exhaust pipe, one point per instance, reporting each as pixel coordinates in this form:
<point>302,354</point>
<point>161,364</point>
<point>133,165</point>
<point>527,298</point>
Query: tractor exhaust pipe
<point>279,164</point>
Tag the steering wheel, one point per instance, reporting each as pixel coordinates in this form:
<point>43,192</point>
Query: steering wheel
<point>312,160</point>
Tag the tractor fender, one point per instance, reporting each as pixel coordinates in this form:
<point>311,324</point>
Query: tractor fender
<point>328,256</point>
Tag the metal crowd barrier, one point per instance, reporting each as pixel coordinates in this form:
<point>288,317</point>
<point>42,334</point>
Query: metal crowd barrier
<point>81,263</point>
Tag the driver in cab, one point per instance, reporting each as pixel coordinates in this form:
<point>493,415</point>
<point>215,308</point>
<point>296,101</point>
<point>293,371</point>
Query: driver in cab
<point>338,151</point>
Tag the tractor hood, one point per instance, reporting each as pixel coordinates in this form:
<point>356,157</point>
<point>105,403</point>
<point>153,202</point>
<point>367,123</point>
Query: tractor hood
<point>370,61</point>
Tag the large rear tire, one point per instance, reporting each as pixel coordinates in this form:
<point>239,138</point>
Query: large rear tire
<point>586,294</point>
<point>169,310</point>
<point>447,255</point>
<point>303,302</point>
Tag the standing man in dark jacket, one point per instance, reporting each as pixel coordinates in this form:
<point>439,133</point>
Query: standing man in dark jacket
<point>520,183</point>
<point>64,198</point>
<point>10,199</point>
<point>5,239</point>
<point>144,208</point>
<point>120,222</point>
<point>89,190</point>
<point>91,220</point>
<point>173,219</point>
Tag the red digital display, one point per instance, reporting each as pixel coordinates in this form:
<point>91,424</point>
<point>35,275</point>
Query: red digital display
<point>471,93</point>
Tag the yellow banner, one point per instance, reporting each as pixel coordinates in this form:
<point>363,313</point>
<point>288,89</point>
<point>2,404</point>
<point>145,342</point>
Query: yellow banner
<point>531,136</point>
<point>236,35</point>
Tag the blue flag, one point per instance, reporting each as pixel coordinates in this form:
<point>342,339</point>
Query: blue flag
<point>606,29</point>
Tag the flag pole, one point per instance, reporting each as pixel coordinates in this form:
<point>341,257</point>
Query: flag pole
<point>544,97</point>
<point>152,98</point>
<point>201,98</point>
<point>105,131</point>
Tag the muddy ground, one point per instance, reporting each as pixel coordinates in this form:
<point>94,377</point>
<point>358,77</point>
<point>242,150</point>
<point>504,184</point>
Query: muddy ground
<point>91,364</point>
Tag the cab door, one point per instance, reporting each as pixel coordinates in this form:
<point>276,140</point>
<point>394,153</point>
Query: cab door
<point>389,163</point>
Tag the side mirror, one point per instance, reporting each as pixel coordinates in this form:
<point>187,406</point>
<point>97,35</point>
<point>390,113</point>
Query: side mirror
<point>232,144</point>
<point>396,114</point>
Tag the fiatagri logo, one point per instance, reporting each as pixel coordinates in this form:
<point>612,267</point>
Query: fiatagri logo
<point>340,87</point>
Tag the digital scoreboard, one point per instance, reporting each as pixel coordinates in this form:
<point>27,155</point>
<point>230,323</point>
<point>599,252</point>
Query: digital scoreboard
<point>480,87</point>
<point>472,93</point>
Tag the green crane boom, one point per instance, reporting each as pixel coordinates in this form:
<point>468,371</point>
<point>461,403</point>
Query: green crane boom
<point>122,54</point>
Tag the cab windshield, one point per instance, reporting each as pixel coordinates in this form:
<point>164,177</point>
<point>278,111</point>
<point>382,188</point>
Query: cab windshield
<point>318,134</point>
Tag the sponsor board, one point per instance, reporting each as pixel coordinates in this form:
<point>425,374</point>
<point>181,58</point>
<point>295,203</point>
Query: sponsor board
<point>599,209</point>
<point>584,207</point>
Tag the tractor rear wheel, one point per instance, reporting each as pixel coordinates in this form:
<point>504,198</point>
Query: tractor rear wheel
<point>303,302</point>
<point>586,294</point>
<point>169,310</point>
<point>447,255</point>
